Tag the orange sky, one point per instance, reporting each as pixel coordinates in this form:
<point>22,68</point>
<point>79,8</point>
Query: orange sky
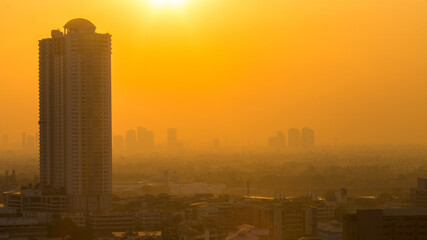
<point>353,70</point>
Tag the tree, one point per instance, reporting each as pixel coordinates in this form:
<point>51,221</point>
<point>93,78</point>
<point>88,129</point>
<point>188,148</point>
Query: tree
<point>67,228</point>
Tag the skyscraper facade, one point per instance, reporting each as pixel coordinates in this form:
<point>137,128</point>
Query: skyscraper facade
<point>277,142</point>
<point>75,115</point>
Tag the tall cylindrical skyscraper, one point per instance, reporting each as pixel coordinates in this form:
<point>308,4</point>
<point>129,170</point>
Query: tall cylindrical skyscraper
<point>75,115</point>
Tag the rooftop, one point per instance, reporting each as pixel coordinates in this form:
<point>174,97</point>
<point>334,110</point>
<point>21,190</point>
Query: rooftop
<point>79,25</point>
<point>405,212</point>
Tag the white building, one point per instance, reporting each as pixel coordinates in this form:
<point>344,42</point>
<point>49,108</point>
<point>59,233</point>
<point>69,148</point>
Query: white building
<point>31,202</point>
<point>75,115</point>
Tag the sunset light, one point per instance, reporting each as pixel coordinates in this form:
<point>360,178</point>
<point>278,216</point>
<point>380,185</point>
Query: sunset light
<point>213,119</point>
<point>167,3</point>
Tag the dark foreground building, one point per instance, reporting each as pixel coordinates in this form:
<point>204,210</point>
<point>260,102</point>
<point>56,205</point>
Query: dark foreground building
<point>386,224</point>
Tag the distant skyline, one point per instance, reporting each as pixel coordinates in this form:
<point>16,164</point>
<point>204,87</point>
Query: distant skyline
<point>239,70</point>
<point>140,139</point>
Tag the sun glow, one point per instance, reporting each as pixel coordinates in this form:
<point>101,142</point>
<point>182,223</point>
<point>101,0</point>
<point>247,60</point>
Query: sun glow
<point>167,3</point>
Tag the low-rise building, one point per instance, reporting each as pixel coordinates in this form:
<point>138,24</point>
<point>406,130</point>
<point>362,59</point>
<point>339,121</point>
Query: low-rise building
<point>292,220</point>
<point>35,200</point>
<point>330,230</point>
<point>202,233</point>
<point>248,232</point>
<point>150,219</point>
<point>110,222</point>
<point>324,211</point>
<point>21,228</point>
<point>138,235</point>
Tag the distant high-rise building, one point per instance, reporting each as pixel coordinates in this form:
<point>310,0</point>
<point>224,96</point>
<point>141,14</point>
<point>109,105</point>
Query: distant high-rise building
<point>277,142</point>
<point>307,138</point>
<point>172,137</point>
<point>341,196</point>
<point>293,139</point>
<point>75,115</point>
<point>131,143</point>
<point>118,144</point>
<point>145,139</point>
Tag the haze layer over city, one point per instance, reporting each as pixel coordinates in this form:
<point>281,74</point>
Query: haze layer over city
<point>239,70</point>
<point>213,119</point>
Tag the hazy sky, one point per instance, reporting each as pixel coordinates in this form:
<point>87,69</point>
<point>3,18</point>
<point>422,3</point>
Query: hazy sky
<point>353,70</point>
